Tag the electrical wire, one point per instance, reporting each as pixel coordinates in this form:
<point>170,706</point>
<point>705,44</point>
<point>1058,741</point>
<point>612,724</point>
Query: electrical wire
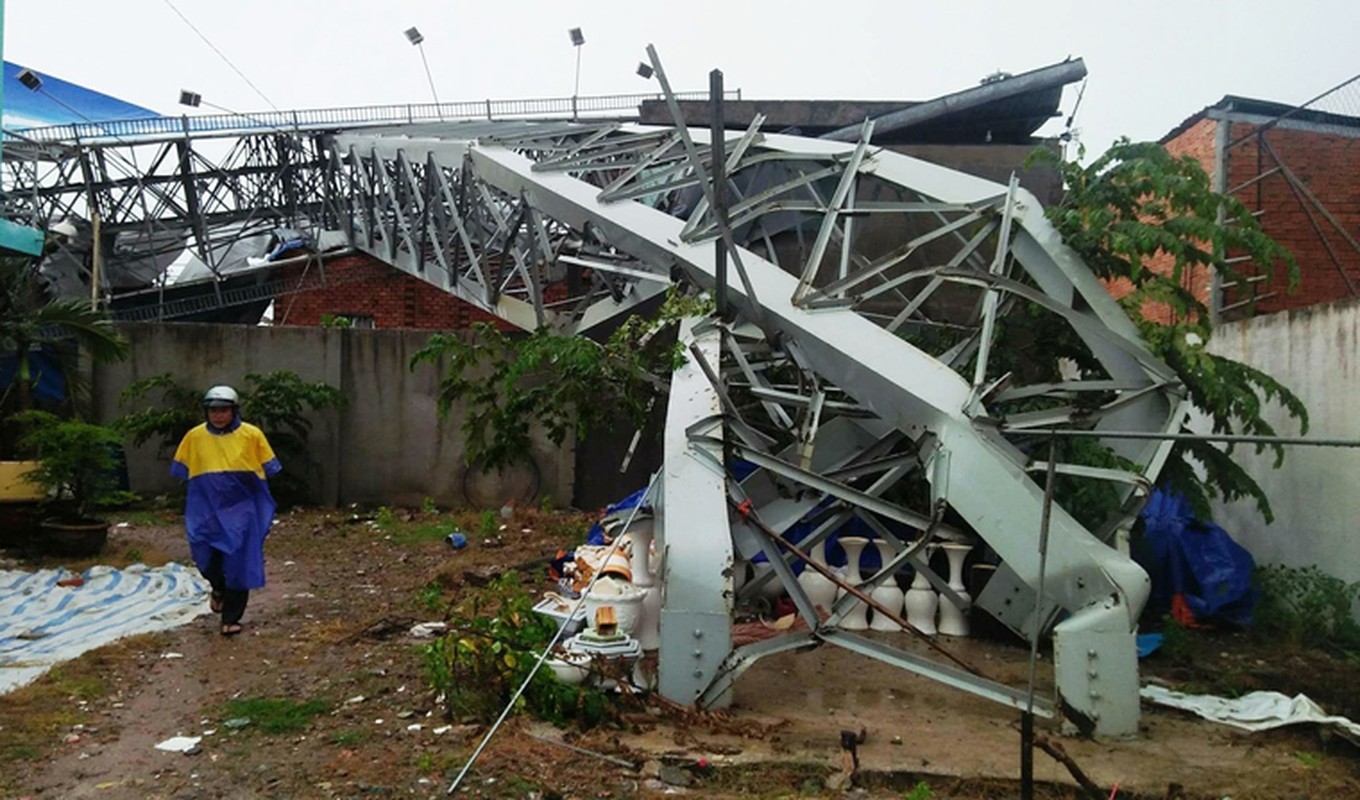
<point>220,54</point>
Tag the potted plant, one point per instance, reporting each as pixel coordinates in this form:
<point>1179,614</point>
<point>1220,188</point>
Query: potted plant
<point>40,337</point>
<point>76,466</point>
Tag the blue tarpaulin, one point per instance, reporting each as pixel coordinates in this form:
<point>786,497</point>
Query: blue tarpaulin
<point>1199,574</point>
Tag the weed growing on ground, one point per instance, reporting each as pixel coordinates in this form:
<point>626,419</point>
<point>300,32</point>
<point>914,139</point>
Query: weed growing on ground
<point>275,715</point>
<point>1306,607</point>
<point>347,738</point>
<point>494,641</point>
<point>431,597</point>
<point>921,791</point>
<point>428,508</point>
<point>385,518</point>
<point>1175,641</point>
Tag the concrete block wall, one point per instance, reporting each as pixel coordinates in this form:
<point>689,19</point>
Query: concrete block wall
<point>389,445</point>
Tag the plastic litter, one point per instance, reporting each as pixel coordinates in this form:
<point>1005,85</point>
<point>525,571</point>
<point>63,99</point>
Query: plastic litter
<point>179,744</point>
<point>457,540</point>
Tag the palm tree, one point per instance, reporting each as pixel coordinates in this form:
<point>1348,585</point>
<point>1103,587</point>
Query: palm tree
<point>29,319</point>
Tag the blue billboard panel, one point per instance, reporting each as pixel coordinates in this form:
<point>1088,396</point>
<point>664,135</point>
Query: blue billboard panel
<point>59,102</point>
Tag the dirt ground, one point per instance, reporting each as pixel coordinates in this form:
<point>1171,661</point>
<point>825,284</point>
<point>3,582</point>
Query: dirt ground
<point>332,627</point>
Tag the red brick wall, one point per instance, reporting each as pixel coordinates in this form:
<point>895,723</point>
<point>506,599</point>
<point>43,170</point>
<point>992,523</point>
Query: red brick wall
<point>359,285</point>
<point>1329,167</point>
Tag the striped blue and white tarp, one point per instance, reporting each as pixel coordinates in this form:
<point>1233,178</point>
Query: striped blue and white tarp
<point>43,623</point>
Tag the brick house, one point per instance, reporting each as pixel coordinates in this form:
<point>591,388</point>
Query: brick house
<point>371,294</point>
<point>1298,170</point>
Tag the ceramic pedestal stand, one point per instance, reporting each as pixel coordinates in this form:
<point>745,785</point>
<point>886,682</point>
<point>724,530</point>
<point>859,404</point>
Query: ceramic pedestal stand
<point>921,602</point>
<point>857,618</point>
<point>821,591</point>
<point>887,594</point>
<point>649,626</point>
<point>953,619</point>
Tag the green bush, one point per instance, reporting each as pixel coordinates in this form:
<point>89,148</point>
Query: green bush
<point>486,657</point>
<point>1304,606</point>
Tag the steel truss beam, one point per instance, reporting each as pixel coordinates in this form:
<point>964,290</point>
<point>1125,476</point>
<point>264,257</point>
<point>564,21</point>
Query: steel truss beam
<point>869,353</point>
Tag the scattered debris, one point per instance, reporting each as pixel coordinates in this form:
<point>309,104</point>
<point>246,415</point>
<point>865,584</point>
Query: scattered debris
<point>180,744</point>
<point>426,630</point>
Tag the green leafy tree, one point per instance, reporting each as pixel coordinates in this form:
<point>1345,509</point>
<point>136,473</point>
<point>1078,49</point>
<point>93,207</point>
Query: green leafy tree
<point>1141,214</point>
<point>507,384</point>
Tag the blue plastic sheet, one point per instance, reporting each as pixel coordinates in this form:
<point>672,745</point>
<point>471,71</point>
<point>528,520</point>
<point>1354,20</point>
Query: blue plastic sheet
<point>596,534</point>
<point>1195,566</point>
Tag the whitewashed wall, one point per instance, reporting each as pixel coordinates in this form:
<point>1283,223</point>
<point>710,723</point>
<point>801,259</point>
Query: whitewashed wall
<point>1316,493</point>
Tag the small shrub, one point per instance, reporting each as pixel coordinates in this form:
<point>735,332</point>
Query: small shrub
<point>1175,641</point>
<point>1306,607</point>
<point>493,643</point>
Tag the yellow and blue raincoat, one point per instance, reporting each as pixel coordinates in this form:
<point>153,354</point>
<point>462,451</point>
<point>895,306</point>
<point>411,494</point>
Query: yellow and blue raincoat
<point>229,508</point>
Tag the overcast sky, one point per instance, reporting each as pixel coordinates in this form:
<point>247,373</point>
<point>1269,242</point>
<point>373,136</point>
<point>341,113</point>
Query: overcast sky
<point>1151,63</point>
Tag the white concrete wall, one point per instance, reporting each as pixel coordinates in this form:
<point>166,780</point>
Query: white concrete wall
<point>1316,493</point>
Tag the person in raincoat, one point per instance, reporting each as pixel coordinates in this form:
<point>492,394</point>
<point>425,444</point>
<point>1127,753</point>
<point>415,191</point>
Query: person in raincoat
<point>229,509</point>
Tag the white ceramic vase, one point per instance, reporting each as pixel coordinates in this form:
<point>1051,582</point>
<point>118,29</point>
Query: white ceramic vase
<point>921,602</point>
<point>649,621</point>
<point>857,618</point>
<point>821,590</point>
<point>954,619</point>
<point>887,594</point>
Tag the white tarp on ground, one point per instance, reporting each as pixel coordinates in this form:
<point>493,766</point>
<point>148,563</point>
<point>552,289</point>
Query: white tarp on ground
<point>1255,711</point>
<point>43,623</point>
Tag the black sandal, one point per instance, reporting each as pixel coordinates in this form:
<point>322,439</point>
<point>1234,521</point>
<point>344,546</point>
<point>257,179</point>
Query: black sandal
<point>215,602</point>
<point>232,629</point>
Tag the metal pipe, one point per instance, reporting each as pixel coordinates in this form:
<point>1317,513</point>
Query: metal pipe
<point>1194,437</point>
<point>1042,78</point>
<point>1027,718</point>
<point>719,149</point>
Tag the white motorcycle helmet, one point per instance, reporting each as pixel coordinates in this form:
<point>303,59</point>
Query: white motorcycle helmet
<point>221,397</point>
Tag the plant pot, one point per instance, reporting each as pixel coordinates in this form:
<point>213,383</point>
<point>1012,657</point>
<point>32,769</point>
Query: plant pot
<point>82,537</point>
<point>15,487</point>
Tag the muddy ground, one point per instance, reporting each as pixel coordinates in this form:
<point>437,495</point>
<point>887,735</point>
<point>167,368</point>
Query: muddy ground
<point>330,632</point>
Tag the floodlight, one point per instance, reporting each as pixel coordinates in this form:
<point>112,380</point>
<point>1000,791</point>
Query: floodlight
<point>644,70</point>
<point>413,35</point>
<point>577,38</point>
<point>190,99</point>
<point>30,80</point>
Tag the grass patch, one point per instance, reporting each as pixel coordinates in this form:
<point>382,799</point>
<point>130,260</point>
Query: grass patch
<point>275,715</point>
<point>421,532</point>
<point>347,738</point>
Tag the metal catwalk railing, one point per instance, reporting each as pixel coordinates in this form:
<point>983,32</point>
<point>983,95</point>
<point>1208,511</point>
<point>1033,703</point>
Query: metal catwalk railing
<point>150,128</point>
